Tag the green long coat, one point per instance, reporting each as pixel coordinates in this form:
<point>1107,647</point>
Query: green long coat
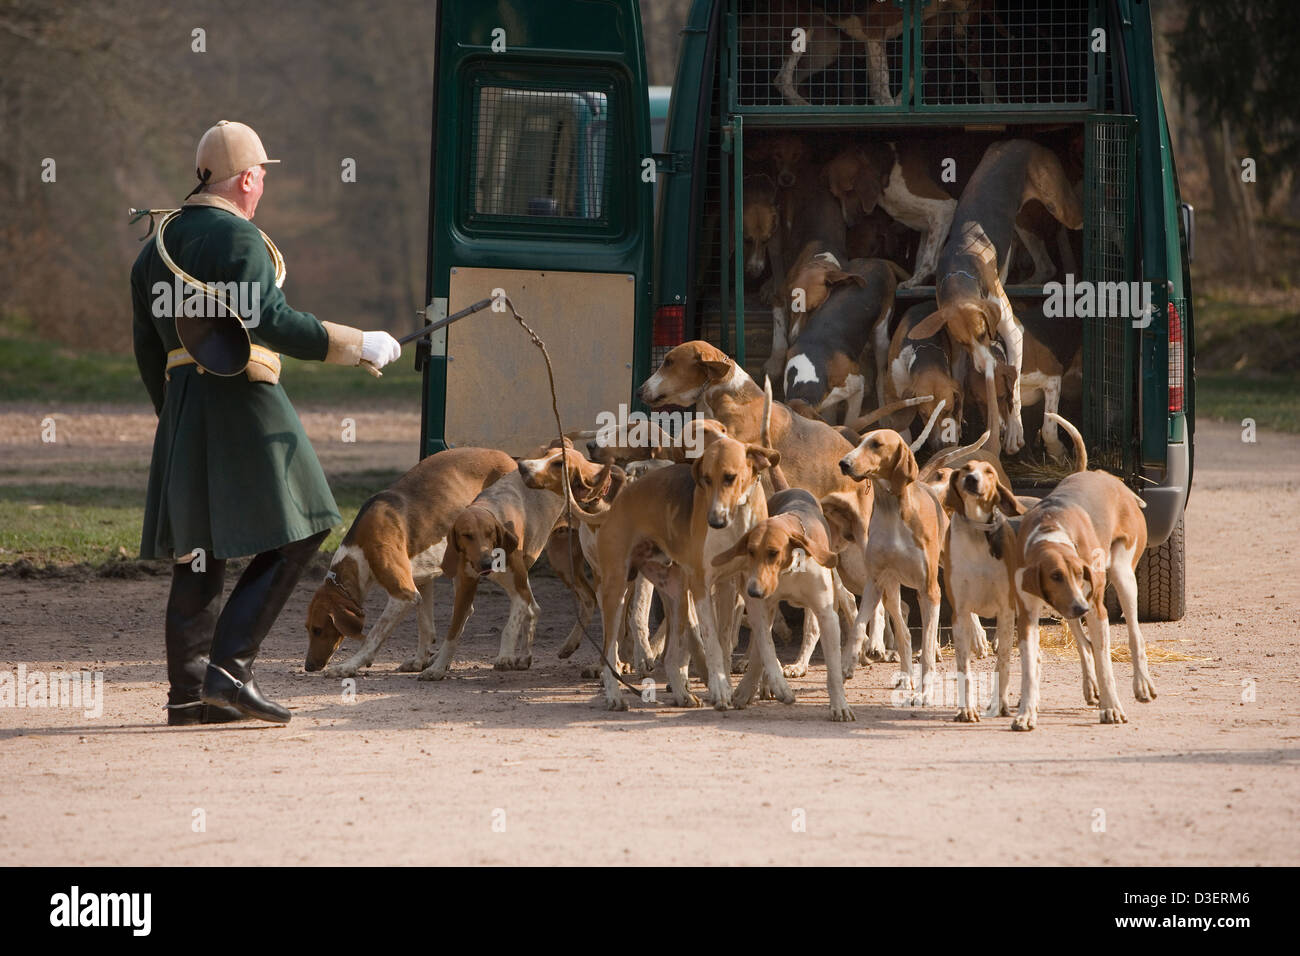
<point>232,471</point>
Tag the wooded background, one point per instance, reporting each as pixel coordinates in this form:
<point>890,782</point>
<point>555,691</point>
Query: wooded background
<point>116,97</point>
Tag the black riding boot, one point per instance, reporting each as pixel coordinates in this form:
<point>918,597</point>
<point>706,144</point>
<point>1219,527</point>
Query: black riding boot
<point>250,611</point>
<point>191,619</point>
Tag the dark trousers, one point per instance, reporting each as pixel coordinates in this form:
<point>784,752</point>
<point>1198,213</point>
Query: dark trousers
<point>198,629</point>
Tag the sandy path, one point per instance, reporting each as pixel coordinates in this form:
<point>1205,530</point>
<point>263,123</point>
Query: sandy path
<point>420,773</point>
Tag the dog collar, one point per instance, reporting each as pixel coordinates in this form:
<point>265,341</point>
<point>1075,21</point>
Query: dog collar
<point>333,579</point>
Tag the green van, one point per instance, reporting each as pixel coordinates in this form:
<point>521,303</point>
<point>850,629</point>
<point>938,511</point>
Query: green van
<point>610,210</point>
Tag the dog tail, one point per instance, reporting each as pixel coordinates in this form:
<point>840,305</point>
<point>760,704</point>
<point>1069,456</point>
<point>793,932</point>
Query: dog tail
<point>1080,449</point>
<point>944,458</point>
<point>779,482</point>
<point>925,433</point>
<point>884,411</point>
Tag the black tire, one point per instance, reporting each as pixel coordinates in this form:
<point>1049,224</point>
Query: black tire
<point>1161,579</point>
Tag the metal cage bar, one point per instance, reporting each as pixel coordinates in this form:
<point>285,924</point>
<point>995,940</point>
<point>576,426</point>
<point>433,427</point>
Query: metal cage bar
<point>905,56</point>
<point>1109,200</point>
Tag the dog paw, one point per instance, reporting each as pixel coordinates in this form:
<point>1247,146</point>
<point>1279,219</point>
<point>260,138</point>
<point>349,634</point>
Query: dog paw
<point>1113,715</point>
<point>346,669</point>
<point>616,703</point>
<point>503,664</point>
<point>1026,721</point>
<point>592,672</point>
<point>720,695</point>
<point>1090,695</point>
<point>998,708</point>
<point>795,670</point>
<point>1143,690</point>
<point>1055,450</point>
<point>433,673</point>
<point>967,715</point>
<point>902,679</point>
<point>566,652</point>
<point>738,666</point>
<point>842,714</point>
<point>624,667</point>
<point>522,663</point>
<point>412,666</point>
<point>686,699</point>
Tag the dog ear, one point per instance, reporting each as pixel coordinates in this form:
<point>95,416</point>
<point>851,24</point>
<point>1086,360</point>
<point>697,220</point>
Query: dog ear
<point>952,497</point>
<point>826,559</point>
<point>1010,504</point>
<point>716,369</point>
<point>451,556</point>
<point>838,276</point>
<point>931,325</point>
<point>737,553</point>
<point>506,538</point>
<point>761,457</point>
<point>845,522</point>
<point>348,619</point>
<point>903,469</point>
<point>1029,579</point>
<point>868,186</point>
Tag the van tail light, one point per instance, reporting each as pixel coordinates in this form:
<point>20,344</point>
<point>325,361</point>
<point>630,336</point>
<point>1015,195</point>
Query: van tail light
<point>1176,373</point>
<point>668,332</point>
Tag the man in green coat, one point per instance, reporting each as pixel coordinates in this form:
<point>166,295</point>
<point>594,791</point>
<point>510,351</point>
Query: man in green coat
<point>233,473</point>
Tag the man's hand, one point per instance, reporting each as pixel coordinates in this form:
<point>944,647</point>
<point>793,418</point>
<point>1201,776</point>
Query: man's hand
<point>379,348</point>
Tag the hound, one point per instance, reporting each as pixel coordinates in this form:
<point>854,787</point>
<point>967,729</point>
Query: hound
<point>823,367</point>
<point>397,541</point>
<point>690,513</point>
<point>1089,525</point>
<point>896,179</point>
<point>788,557</point>
<point>973,305</point>
<point>499,535</point>
<point>904,539</point>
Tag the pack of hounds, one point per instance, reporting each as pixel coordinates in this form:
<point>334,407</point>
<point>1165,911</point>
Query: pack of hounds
<point>803,501</point>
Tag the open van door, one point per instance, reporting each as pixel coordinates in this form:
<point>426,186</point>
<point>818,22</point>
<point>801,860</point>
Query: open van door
<point>542,185</point>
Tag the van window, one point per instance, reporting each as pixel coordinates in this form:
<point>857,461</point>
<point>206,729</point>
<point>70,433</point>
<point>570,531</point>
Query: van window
<point>540,153</point>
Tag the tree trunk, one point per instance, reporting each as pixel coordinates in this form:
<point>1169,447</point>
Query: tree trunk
<point>1234,210</point>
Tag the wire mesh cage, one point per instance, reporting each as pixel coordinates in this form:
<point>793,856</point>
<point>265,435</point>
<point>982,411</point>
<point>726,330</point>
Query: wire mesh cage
<point>1108,242</point>
<point>540,153</point>
<point>995,53</point>
<point>913,54</point>
<point>799,53</point>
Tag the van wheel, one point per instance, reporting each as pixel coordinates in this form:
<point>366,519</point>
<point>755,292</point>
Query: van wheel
<point>1161,578</point>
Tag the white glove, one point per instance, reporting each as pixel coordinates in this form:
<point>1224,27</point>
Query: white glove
<point>379,348</point>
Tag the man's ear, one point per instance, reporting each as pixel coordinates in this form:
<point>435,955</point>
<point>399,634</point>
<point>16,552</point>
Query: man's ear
<point>930,325</point>
<point>951,497</point>
<point>1008,501</point>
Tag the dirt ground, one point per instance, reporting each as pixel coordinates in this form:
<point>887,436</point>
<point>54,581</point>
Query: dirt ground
<point>527,767</point>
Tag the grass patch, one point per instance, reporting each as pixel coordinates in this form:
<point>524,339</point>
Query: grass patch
<point>33,371</point>
<point>1273,401</point>
<point>68,524</point>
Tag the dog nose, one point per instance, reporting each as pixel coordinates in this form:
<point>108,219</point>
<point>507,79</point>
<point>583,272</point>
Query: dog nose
<point>755,590</point>
<point>1078,609</point>
<point>592,447</point>
<point>786,178</point>
<point>972,483</point>
<point>717,521</point>
<point>846,466</point>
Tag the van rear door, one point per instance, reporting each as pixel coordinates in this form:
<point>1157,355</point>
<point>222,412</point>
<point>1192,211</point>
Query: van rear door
<point>542,185</point>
